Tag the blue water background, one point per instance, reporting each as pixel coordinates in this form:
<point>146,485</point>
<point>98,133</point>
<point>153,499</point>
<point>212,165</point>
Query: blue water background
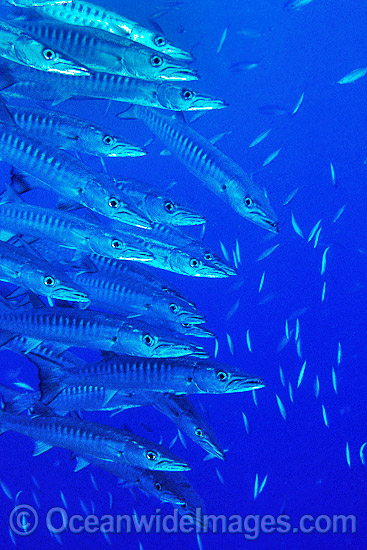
<point>301,51</point>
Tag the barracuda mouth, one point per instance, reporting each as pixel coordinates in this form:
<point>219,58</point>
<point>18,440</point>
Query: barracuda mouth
<point>187,318</point>
<point>215,271</point>
<point>196,330</point>
<point>69,295</point>
<point>133,218</point>
<point>177,53</point>
<point>229,271</point>
<point>245,384</point>
<point>171,466</point>
<point>203,103</point>
<point>136,255</point>
<point>187,217</point>
<point>124,150</point>
<point>170,349</point>
<point>70,68</point>
<point>212,448</point>
<point>178,73</point>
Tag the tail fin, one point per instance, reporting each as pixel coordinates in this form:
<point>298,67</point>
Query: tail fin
<point>51,377</point>
<point>16,402</point>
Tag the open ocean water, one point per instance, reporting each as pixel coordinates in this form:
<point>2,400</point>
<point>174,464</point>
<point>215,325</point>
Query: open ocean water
<point>309,452</point>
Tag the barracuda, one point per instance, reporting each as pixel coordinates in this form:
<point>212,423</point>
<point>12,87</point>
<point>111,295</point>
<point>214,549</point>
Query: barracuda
<point>172,488</point>
<point>217,171</point>
<point>107,53</point>
<point>105,442</point>
<point>118,295</point>
<point>17,46</point>
<point>156,207</point>
<point>66,229</point>
<point>174,375</point>
<point>174,250</point>
<point>87,14</point>
<point>21,82</point>
<point>91,329</point>
<point>69,177</point>
<point>19,267</point>
<point>70,132</point>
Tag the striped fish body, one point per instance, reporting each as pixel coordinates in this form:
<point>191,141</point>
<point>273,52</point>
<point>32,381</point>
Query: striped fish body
<point>71,132</point>
<point>129,374</point>
<point>103,441</point>
<point>217,171</point>
<point>69,177</point>
<point>83,329</point>
<point>87,14</point>
<point>104,52</point>
<point>47,223</point>
<point>91,329</point>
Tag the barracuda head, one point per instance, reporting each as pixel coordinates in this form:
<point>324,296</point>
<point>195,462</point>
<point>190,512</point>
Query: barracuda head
<point>166,488</point>
<point>198,265</point>
<point>145,340</point>
<point>99,142</point>
<point>175,311</point>
<point>212,377</point>
<point>159,43</point>
<point>117,246</point>
<point>180,98</point>
<point>104,197</point>
<point>52,283</point>
<point>253,204</point>
<point>164,210</point>
<point>34,54</point>
<point>142,453</point>
<point>148,65</point>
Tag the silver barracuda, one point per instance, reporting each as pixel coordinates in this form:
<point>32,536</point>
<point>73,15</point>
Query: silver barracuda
<point>217,171</point>
<point>70,231</point>
<point>134,275</point>
<point>105,442</point>
<point>91,329</point>
<point>18,46</point>
<point>174,488</point>
<point>67,176</point>
<point>19,267</point>
<point>176,251</point>
<point>70,132</point>
<point>99,51</point>
<point>87,14</point>
<point>17,82</point>
<point>156,206</point>
<point>167,375</point>
<point>123,296</point>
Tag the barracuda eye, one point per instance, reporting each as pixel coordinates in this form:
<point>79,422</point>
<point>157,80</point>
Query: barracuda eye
<point>173,307</point>
<point>199,432</point>
<point>148,340</point>
<point>159,41</point>
<point>113,203</point>
<point>169,206</point>
<point>222,376</point>
<point>48,54</point>
<point>208,256</point>
<point>49,281</point>
<point>248,201</point>
<point>194,262</point>
<point>116,244</point>
<point>158,486</point>
<point>151,455</point>
<point>187,94</point>
<point>156,61</point>
<point>108,140</point>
